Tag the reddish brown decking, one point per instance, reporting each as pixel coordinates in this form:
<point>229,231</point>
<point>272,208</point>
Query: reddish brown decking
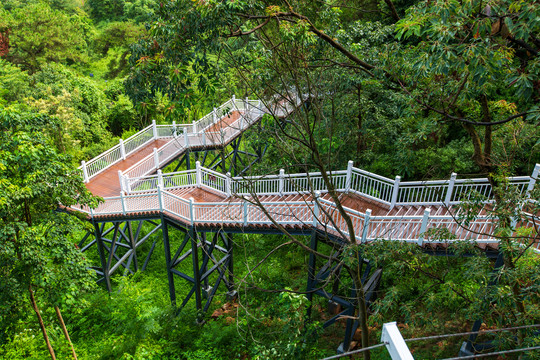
<point>292,211</point>
<point>224,123</point>
<point>107,184</point>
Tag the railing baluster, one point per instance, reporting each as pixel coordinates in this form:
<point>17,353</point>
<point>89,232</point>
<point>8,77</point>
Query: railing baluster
<point>122,201</point>
<point>154,130</point>
<point>534,178</point>
<point>425,220</point>
<point>85,171</point>
<point>367,217</point>
<point>349,176</point>
<point>122,149</point>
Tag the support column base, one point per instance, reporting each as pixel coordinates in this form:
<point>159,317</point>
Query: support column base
<point>232,295</point>
<point>465,349</point>
<point>333,307</point>
<point>206,291</point>
<point>341,350</point>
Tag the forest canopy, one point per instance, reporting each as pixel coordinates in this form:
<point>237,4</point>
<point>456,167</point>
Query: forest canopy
<point>419,89</point>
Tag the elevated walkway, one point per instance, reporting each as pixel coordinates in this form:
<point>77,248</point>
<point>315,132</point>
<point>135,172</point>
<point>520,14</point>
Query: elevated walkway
<point>157,145</point>
<point>380,208</point>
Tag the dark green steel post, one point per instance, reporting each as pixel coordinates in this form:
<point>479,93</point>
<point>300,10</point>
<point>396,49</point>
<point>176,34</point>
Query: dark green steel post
<point>112,249</point>
<point>166,245</point>
<point>311,269</point>
<point>233,168</point>
<point>205,259</point>
<point>468,347</point>
<point>196,271</point>
<point>349,326</point>
<point>231,260</point>
<point>133,242</point>
<point>102,257</point>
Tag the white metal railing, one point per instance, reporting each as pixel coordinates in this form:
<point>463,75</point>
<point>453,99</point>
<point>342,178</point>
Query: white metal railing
<point>139,139</point>
<point>149,194</point>
<point>330,218</point>
<point>267,185</point>
<point>283,184</point>
<point>141,192</point>
<point>183,137</point>
<point>213,180</point>
<point>117,152</point>
<point>214,116</point>
<point>321,213</point>
<point>186,135</point>
<point>452,191</point>
<point>251,106</point>
<point>102,162</point>
<point>176,205</point>
<point>143,167</point>
<point>168,131</point>
<point>373,186</point>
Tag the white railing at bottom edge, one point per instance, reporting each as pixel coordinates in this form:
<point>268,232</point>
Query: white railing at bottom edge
<point>316,212</point>
<point>366,226</point>
<point>120,151</point>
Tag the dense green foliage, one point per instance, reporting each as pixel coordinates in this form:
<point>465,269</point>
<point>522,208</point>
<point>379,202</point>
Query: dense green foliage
<point>37,253</point>
<point>402,88</point>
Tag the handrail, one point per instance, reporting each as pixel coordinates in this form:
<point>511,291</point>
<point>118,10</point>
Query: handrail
<point>409,228</point>
<point>364,183</point>
<point>147,193</point>
<point>153,132</point>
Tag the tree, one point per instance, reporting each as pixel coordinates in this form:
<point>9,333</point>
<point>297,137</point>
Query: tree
<point>14,83</point>
<point>39,34</point>
<point>475,64</point>
<point>39,260</point>
<point>298,50</point>
<point>494,294</point>
<point>77,103</point>
<point>120,10</point>
<point>285,71</point>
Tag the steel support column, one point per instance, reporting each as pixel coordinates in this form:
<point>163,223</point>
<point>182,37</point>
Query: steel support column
<point>230,267</point>
<point>102,258</point>
<point>196,273</point>
<point>133,247</point>
<point>311,270</point>
<point>470,347</point>
<point>167,247</point>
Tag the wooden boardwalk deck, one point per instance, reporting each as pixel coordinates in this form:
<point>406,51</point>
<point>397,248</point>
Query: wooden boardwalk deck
<point>206,198</point>
<point>225,213</point>
<point>107,184</point>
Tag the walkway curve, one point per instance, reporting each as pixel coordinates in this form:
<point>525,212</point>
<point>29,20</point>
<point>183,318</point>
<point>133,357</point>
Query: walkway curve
<point>380,208</point>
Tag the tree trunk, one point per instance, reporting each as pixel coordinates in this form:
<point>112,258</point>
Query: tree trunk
<point>393,11</point>
<point>40,320</point>
<point>64,329</point>
<point>362,309</point>
<point>484,161</point>
<point>355,274</point>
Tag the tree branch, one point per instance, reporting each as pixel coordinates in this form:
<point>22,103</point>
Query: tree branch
<point>241,33</point>
<point>285,15</point>
<point>393,11</point>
